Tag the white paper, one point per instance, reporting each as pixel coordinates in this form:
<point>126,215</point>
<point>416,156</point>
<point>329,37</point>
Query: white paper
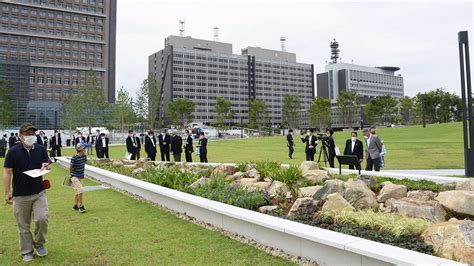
<point>36,172</point>
<point>336,149</point>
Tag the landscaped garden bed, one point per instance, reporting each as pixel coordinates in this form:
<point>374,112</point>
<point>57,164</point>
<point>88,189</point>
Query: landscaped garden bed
<point>404,213</point>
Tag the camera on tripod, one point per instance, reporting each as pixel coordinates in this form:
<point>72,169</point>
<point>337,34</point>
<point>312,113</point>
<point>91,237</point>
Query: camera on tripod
<point>323,138</point>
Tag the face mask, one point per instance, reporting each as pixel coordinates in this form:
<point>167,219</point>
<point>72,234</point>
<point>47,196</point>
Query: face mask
<point>29,140</point>
<point>366,137</point>
<point>353,138</point>
<point>163,133</point>
<point>308,132</point>
<point>103,137</point>
<point>291,133</point>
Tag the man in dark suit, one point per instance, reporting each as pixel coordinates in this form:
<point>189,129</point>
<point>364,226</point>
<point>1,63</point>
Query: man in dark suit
<point>150,145</point>
<point>165,141</point>
<point>132,146</point>
<point>176,147</point>
<point>311,143</point>
<point>331,145</point>
<point>11,141</point>
<point>102,145</point>
<point>354,147</point>
<point>95,139</point>
<point>290,143</point>
<point>202,147</point>
<point>56,144</point>
<point>188,148</point>
<point>373,149</point>
<point>80,139</point>
<point>41,139</point>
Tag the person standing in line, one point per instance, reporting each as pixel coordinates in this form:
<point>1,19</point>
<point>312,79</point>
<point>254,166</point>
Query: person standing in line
<point>76,168</point>
<point>165,141</point>
<point>28,196</point>
<point>3,145</point>
<point>17,139</point>
<point>132,147</point>
<point>80,139</point>
<point>139,145</point>
<point>373,149</point>
<point>188,148</point>
<point>176,147</point>
<point>11,140</point>
<point>103,146</point>
<point>150,145</point>
<point>56,144</point>
<point>202,147</point>
<point>95,141</point>
<point>331,146</point>
<point>40,139</point>
<point>311,143</point>
<point>354,147</point>
<point>290,143</point>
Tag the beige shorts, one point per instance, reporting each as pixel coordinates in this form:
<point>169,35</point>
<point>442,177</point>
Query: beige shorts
<point>77,184</point>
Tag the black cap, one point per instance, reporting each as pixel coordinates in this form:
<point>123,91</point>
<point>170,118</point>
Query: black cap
<point>27,126</point>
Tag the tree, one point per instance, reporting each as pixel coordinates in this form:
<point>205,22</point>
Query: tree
<point>320,112</point>
<point>147,103</point>
<point>258,114</point>
<point>441,106</point>
<point>347,102</point>
<point>290,111</point>
<point>123,111</point>
<point>181,111</point>
<point>406,109</point>
<point>223,110</point>
<point>6,103</point>
<point>383,109</point>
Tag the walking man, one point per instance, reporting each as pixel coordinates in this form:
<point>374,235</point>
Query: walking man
<point>28,196</point>
<point>290,143</point>
<point>188,149</point>
<point>176,147</point>
<point>165,141</point>
<point>150,145</point>
<point>373,149</point>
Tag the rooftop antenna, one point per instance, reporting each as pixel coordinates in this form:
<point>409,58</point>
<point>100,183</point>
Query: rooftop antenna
<point>283,43</point>
<point>216,34</point>
<point>334,45</point>
<point>181,27</point>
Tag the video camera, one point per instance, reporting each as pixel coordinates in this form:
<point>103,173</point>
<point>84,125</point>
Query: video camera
<point>323,138</point>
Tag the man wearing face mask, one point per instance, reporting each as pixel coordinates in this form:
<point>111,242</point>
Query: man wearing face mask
<point>202,148</point>
<point>188,148</point>
<point>80,139</point>
<point>139,145</point>
<point>41,139</point>
<point>373,149</point>
<point>56,144</point>
<point>311,143</point>
<point>354,147</point>
<point>150,145</point>
<point>132,146</point>
<point>290,143</point>
<point>329,142</point>
<point>102,146</point>
<point>176,147</point>
<point>165,142</point>
<point>28,196</point>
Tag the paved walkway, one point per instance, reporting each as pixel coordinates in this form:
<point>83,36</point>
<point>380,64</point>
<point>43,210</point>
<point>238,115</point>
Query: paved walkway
<point>435,172</point>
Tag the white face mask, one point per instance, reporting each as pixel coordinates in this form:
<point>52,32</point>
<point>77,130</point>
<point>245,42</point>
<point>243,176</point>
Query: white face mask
<point>366,137</point>
<point>29,140</point>
<point>354,138</point>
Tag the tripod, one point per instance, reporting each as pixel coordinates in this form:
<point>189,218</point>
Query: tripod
<point>323,151</point>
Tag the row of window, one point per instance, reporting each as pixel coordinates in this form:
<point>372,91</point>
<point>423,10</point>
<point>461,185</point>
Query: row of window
<point>55,33</point>
<point>91,6</point>
<point>361,76</point>
<point>33,41</point>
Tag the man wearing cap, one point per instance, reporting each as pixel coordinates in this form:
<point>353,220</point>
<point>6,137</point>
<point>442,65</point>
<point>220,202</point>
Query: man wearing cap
<point>28,196</point>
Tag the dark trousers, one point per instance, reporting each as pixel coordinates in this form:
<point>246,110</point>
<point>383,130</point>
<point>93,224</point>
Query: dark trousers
<point>152,156</point>
<point>291,149</point>
<point>352,167</point>
<point>56,152</point>
<point>177,157</point>
<point>310,155</point>
<point>373,163</point>
<point>203,157</point>
<point>331,159</point>
<point>165,155</point>
<point>105,152</point>
<point>134,155</point>
<point>138,154</point>
<point>2,152</point>
<point>189,156</point>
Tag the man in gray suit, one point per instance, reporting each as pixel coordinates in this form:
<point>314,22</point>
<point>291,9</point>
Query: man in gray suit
<point>373,148</point>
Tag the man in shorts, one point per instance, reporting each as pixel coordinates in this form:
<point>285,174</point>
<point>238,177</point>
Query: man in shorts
<point>78,163</point>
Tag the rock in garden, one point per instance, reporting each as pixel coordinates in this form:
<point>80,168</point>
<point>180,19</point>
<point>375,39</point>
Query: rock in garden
<point>302,207</point>
<point>239,175</point>
<point>246,182</point>
<point>428,210</point>
<point>359,195</point>
<point>137,171</point>
<point>458,201</point>
<point>308,165</point>
<point>452,239</point>
<point>330,186</point>
<point>392,191</point>
<point>267,209</point>
<point>421,195</point>
<point>130,166</point>
<point>368,180</point>
<point>200,182</point>
<point>335,202</point>
<point>224,169</point>
<point>253,173</point>
<point>278,188</point>
<point>317,176</point>
<point>466,185</point>
<point>117,163</point>
<point>308,192</point>
<point>263,186</point>
<point>148,165</point>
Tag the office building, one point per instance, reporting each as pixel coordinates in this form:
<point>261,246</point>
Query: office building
<point>47,46</point>
<point>201,70</point>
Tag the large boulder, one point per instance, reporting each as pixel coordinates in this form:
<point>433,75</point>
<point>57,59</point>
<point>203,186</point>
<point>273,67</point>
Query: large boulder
<point>330,186</point>
<point>359,195</point>
<point>368,180</point>
<point>421,195</point>
<point>253,173</point>
<point>460,202</point>
<point>268,209</point>
<point>224,169</point>
<point>302,207</point>
<point>200,182</point>
<point>239,175</point>
<point>277,188</point>
<point>308,165</point>
<point>335,202</point>
<point>466,185</point>
<point>423,209</point>
<point>246,182</point>
<point>308,192</point>
<point>392,191</point>
<point>316,176</point>
<point>452,239</point>
<point>263,185</point>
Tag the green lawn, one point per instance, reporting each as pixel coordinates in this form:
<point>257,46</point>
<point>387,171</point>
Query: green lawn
<point>118,229</point>
<point>437,146</point>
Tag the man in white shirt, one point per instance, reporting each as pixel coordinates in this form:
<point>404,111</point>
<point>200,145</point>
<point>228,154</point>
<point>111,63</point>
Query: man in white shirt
<point>354,147</point>
<point>150,145</point>
<point>102,144</point>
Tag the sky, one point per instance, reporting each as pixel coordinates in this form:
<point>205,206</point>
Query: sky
<point>419,37</point>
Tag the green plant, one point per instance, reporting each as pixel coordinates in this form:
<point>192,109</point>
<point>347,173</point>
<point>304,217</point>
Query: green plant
<point>415,184</point>
<point>242,166</point>
<point>170,178</point>
<point>267,168</point>
<point>290,176</point>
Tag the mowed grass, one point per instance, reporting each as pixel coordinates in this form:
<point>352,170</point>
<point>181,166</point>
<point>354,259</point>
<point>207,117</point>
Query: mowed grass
<point>118,229</point>
<point>438,146</point>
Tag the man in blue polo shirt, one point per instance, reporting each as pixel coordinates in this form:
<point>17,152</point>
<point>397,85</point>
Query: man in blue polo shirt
<point>28,197</point>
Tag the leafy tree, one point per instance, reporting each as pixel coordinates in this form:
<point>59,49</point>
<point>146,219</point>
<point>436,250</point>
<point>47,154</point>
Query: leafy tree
<point>407,106</point>
<point>347,102</point>
<point>223,110</point>
<point>123,111</point>
<point>147,103</point>
<point>258,114</point>
<point>441,106</point>
<point>70,112</point>
<point>6,103</point>
<point>181,111</point>
<point>320,112</point>
<point>290,111</point>
<point>383,109</point>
